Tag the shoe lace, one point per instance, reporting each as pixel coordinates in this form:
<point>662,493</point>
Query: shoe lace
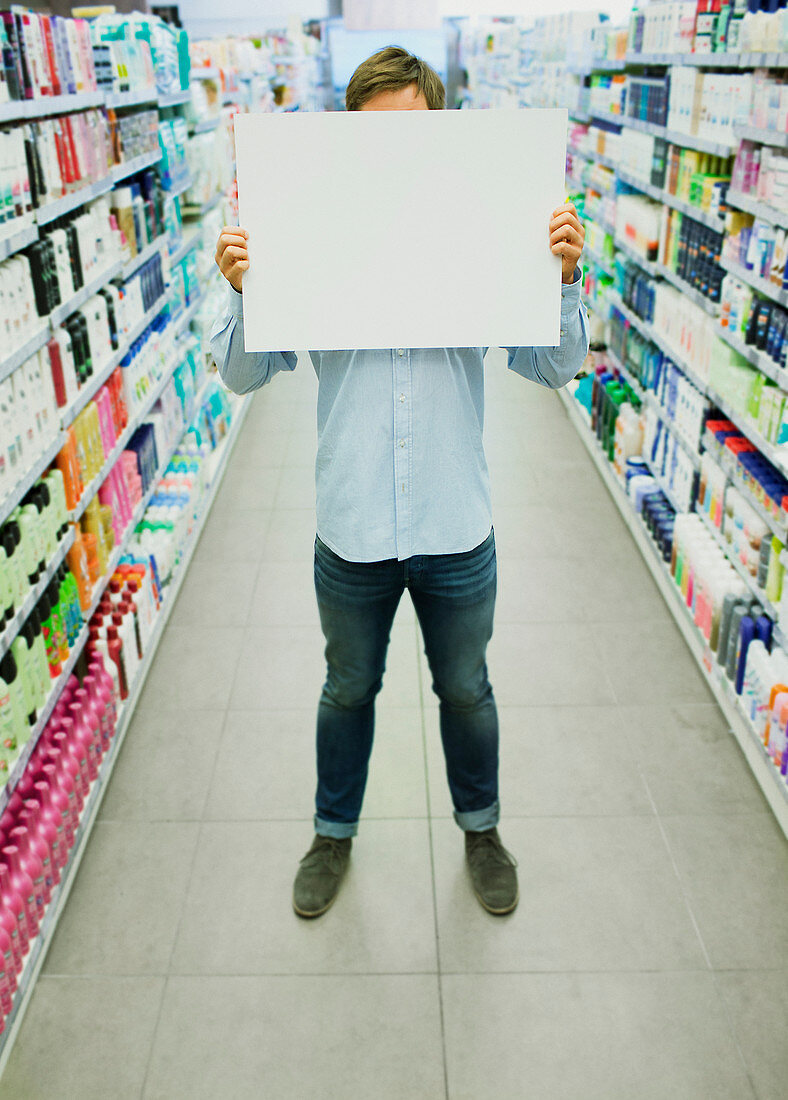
<point>328,851</point>
<point>487,846</point>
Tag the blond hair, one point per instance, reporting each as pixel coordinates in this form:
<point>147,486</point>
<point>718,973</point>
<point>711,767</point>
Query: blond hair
<point>389,70</point>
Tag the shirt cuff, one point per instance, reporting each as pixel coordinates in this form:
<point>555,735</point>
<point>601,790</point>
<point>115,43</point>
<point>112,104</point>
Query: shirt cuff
<point>570,294</point>
<point>236,302</point>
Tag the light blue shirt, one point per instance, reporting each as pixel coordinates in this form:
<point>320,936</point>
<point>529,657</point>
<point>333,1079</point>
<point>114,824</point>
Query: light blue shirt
<point>400,465</point>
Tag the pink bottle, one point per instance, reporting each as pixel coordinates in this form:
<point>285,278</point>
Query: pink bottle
<point>43,828</point>
<point>12,919</point>
<point>85,714</point>
<point>52,822</point>
<point>102,668</point>
<point>53,795</point>
<point>65,767</point>
<point>23,885</point>
<point>70,746</point>
<point>8,982</point>
<point>101,702</point>
<point>32,860</point>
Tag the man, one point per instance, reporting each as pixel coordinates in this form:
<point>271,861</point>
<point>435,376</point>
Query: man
<point>395,511</point>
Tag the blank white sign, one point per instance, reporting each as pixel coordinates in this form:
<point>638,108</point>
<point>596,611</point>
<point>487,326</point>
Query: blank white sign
<point>380,229</point>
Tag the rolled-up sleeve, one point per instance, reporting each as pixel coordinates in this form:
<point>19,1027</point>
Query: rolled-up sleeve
<point>554,367</point>
<point>243,371</point>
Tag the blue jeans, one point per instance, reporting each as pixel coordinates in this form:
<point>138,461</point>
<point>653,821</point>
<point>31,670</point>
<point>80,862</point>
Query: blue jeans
<point>454,599</point>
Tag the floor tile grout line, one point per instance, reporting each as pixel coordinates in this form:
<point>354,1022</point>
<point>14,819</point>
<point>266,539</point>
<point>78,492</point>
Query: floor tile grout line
<point>682,888</point>
<point>441,1014</point>
<point>450,972</point>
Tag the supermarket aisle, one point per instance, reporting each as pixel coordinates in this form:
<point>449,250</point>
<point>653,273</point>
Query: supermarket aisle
<point>647,957</point>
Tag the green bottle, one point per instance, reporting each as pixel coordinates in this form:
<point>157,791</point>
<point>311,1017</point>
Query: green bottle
<point>27,673</point>
<point>10,674</point>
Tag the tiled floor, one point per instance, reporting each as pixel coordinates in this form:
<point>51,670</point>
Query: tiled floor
<point>648,956</point>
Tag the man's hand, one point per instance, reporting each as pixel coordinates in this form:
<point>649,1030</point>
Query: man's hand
<point>231,255</point>
<point>566,239</point>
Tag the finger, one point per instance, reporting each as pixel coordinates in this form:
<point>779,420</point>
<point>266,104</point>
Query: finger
<point>564,248</point>
<point>234,229</point>
<point>567,206</point>
<point>566,233</point>
<point>236,252</point>
<point>566,219</point>
<point>225,241</point>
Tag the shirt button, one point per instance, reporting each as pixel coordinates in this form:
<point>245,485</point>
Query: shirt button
<point>402,442</point>
<point>400,352</point>
<point>402,398</point>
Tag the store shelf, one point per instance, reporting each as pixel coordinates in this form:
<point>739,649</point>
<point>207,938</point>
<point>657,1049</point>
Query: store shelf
<point>744,575</point>
<point>12,629</point>
<point>67,203</point>
<point>604,262</point>
<point>122,442</point>
<point>706,304</point>
<point>205,125</point>
<point>9,364</point>
<point>664,487</point>
<point>761,210</point>
<point>174,99</point>
<point>648,330</point>
<point>25,483</point>
<point>182,184</point>
<point>701,60</point>
<point>627,375</point>
<point>763,286</point>
<point>136,164</point>
<point>204,73</point>
<point>150,250</point>
<point>19,110</point>
<point>757,358</point>
<point>40,945</point>
<point>766,775</point>
<point>100,377</point>
<point>648,265</point>
<point>191,242</point>
<point>189,211</point>
<point>42,718</point>
<point>17,240</point>
<point>81,296</point>
<point>746,427</point>
<point>185,319</point>
<point>713,221</point>
<point>763,137</point>
<point>691,449</point>
<point>603,116</point>
<point>144,321</point>
<point>676,137</point>
<point>119,100</point>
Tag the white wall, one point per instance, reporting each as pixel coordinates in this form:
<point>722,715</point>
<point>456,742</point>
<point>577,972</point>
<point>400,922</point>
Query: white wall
<point>618,10</point>
<point>210,18</point>
<point>201,19</point>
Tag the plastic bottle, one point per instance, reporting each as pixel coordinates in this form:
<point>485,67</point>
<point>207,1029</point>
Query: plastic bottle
<point>36,859</point>
<point>23,884</point>
<point>12,917</point>
<point>34,817</point>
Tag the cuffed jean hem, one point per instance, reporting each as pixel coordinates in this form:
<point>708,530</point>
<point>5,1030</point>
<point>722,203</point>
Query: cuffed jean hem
<point>477,821</point>
<point>337,830</point>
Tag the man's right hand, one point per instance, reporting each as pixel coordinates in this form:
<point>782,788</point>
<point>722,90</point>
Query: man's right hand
<point>231,255</point>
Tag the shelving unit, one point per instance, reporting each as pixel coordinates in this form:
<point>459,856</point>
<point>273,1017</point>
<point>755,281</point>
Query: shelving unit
<point>770,782</point>
<point>606,296</point>
<point>763,286</point>
<point>41,943</point>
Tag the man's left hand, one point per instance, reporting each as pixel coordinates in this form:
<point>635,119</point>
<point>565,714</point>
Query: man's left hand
<point>566,239</point>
